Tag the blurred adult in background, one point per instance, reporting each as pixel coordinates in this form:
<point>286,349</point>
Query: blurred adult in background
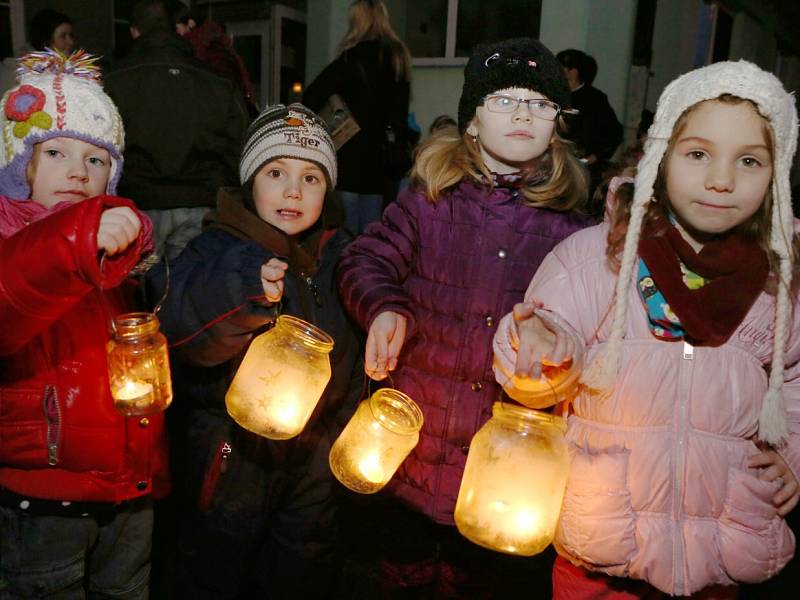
<point>184,128</point>
<point>213,47</point>
<point>595,130</point>
<point>372,74</point>
<point>52,29</point>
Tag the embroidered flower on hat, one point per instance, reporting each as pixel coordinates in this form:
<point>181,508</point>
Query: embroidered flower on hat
<point>24,106</point>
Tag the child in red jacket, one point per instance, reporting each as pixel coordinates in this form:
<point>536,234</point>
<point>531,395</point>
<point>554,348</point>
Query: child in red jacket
<point>76,477</point>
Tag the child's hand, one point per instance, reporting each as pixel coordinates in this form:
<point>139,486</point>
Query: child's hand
<point>540,341</point>
<point>384,341</point>
<point>119,227</point>
<point>272,274</point>
<point>774,468</point>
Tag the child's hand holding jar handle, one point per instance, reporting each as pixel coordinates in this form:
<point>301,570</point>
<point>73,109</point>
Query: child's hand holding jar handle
<point>272,275</point>
<point>384,342</point>
<point>119,227</point>
<point>539,340</point>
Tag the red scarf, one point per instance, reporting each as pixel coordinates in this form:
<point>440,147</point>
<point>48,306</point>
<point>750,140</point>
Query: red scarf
<point>736,267</point>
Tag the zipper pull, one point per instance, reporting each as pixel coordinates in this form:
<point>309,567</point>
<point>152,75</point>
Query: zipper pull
<point>314,290</point>
<point>688,351</point>
<point>226,452</point>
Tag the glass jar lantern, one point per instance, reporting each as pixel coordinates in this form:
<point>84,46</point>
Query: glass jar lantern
<point>514,480</point>
<point>379,436</point>
<point>138,365</point>
<point>281,379</point>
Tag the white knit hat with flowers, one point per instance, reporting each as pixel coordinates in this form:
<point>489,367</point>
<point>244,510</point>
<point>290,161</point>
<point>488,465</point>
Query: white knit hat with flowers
<point>56,96</point>
<point>744,80</point>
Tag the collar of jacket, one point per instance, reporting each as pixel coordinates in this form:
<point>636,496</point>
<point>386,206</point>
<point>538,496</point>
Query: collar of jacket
<point>232,216</point>
<point>157,42</point>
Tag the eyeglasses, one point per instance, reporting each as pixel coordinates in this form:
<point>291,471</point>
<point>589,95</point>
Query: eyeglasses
<point>538,107</point>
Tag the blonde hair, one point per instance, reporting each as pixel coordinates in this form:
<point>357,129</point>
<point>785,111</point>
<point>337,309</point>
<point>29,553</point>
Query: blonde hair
<point>369,20</point>
<point>447,157</point>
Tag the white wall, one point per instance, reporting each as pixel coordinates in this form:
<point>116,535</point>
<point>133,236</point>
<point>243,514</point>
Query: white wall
<point>674,41</point>
<point>323,24</point>
<point>435,91</point>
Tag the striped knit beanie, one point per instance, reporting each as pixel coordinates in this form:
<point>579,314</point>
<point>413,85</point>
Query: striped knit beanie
<point>56,96</point>
<point>288,132</point>
<point>747,81</point>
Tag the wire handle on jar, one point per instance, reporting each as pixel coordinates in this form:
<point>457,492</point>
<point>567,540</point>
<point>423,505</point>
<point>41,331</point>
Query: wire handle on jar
<point>370,380</point>
<point>140,268</point>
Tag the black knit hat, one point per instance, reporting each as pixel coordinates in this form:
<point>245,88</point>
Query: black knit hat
<point>518,62</point>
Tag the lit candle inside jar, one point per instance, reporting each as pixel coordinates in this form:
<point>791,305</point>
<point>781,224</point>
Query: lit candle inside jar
<point>522,521</point>
<point>285,414</point>
<point>371,469</point>
<point>133,390</point>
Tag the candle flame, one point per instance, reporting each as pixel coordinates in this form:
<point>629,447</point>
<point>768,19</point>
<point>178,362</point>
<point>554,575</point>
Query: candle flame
<point>286,413</point>
<point>527,520</point>
<point>371,469</point>
<point>133,389</point>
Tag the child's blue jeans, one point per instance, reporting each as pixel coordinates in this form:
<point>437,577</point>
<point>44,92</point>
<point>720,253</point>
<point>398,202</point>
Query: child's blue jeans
<point>100,556</point>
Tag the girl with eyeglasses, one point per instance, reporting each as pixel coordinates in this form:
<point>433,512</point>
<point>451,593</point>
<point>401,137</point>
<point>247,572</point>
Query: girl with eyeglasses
<point>452,254</point>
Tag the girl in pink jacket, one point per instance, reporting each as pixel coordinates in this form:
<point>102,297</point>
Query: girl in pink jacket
<point>685,432</point>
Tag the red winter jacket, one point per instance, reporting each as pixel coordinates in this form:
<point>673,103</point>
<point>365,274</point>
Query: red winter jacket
<point>60,436</point>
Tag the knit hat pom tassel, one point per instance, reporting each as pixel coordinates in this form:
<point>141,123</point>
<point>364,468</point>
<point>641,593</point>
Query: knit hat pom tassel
<point>601,374</point>
<point>772,422</point>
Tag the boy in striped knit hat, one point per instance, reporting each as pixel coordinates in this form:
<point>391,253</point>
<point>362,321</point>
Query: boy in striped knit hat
<point>258,515</point>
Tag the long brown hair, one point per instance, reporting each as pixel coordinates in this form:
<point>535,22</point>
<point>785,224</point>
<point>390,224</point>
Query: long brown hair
<point>447,157</point>
<point>758,225</point>
<point>369,20</point>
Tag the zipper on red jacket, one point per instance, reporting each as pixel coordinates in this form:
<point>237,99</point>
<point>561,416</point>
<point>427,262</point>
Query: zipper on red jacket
<point>218,466</point>
<point>52,412</point>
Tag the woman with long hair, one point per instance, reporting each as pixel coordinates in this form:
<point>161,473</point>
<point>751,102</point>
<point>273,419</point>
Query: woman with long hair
<point>372,75</point>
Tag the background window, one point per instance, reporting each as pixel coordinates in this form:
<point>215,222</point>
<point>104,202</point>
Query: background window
<point>449,29</point>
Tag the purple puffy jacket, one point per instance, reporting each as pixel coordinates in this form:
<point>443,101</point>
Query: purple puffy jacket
<point>453,268</point>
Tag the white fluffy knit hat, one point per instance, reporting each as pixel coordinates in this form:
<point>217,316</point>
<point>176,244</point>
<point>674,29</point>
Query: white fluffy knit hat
<point>56,96</point>
<point>288,132</point>
<point>745,80</point>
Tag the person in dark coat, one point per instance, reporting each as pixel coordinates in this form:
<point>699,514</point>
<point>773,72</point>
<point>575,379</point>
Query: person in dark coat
<point>215,48</point>
<point>372,74</point>
<point>258,515</point>
<point>595,130</point>
<point>429,282</point>
<point>185,126</point>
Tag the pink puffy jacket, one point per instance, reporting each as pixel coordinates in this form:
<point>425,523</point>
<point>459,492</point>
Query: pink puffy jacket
<point>659,487</point>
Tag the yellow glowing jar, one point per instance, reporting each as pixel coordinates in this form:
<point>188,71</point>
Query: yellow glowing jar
<point>138,365</point>
<point>514,480</point>
<point>379,436</point>
<point>281,379</point>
